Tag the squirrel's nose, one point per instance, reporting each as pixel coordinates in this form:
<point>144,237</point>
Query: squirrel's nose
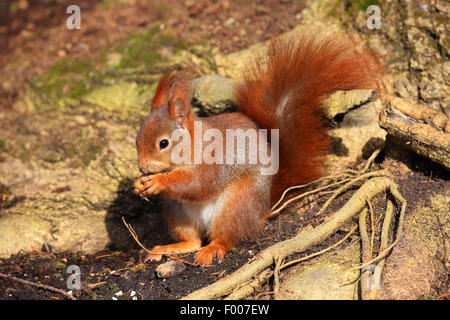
<point>143,168</point>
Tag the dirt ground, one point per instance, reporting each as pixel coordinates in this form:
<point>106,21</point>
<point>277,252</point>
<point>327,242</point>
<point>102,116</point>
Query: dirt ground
<point>32,39</point>
<point>120,273</point>
<point>33,34</point>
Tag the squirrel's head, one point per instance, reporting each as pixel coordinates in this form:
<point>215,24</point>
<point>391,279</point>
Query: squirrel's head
<point>171,110</point>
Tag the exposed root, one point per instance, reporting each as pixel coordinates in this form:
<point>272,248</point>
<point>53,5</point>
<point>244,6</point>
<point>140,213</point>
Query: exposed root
<point>305,239</point>
<point>349,185</point>
<point>376,277</point>
<point>366,254</point>
<point>290,263</point>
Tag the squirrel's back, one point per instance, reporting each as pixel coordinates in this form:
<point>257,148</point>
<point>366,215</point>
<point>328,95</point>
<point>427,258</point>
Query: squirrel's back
<point>284,90</point>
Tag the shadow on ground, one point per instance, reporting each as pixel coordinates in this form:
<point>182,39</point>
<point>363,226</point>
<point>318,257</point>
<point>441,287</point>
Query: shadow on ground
<point>144,217</point>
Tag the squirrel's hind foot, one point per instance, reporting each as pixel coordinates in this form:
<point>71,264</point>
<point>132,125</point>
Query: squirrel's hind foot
<point>206,255</point>
<point>158,251</point>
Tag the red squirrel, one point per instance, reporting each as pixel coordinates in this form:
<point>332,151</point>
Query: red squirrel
<point>282,89</point>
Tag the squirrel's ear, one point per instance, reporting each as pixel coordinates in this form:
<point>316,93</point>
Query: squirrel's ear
<point>180,111</point>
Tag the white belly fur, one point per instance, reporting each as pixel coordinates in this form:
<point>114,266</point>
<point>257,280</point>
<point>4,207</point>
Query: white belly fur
<point>201,214</point>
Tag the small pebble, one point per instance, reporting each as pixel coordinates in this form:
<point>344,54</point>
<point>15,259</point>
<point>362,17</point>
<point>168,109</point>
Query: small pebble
<point>229,22</point>
<point>170,269</point>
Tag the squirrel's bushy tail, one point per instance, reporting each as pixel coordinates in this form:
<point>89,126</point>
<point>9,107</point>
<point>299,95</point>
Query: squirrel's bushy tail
<point>285,88</point>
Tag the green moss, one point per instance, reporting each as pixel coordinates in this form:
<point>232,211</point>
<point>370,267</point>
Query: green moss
<point>14,7</point>
<point>351,7</point>
<point>5,189</point>
<point>364,4</point>
<point>59,266</point>
<point>107,4</point>
<point>73,78</point>
<point>69,77</point>
<point>142,50</point>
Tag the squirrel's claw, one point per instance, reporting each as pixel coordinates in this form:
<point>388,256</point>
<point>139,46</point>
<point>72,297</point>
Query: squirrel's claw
<point>153,257</point>
<point>206,255</point>
<point>148,185</point>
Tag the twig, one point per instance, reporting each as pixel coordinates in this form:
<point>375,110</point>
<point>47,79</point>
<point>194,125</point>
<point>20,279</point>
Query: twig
<point>319,252</point>
<point>116,253</point>
<point>370,160</point>
<point>306,194</point>
<point>95,285</point>
<point>372,228</point>
<point>339,174</point>
<point>394,191</point>
<point>38,285</point>
<point>276,277</point>
<point>376,277</point>
<point>169,254</point>
<point>134,235</point>
<point>348,185</point>
<point>336,175</point>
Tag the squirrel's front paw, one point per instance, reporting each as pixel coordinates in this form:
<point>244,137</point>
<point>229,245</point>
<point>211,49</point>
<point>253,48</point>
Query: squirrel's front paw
<point>149,185</point>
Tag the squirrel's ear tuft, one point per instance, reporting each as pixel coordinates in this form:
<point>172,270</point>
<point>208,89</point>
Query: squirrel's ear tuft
<point>162,91</point>
<point>181,111</point>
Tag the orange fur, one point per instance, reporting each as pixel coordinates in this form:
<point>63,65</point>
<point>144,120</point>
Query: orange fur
<point>282,90</point>
<point>285,88</point>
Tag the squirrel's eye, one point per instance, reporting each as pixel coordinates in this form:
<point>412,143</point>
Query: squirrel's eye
<point>163,144</point>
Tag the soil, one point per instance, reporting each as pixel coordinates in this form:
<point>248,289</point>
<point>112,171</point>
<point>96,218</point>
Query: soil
<point>121,273</point>
<point>34,36</point>
<point>33,33</point>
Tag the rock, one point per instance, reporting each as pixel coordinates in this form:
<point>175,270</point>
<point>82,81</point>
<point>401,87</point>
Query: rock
<point>327,277</point>
<point>414,44</point>
<point>342,102</point>
<point>419,263</point>
<point>120,96</point>
<point>21,231</point>
<point>214,94</point>
<point>113,59</point>
<point>170,268</point>
<point>355,134</point>
<point>423,48</point>
<point>229,22</point>
<point>404,86</point>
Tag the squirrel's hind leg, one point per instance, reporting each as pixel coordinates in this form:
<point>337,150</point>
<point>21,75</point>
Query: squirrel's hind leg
<point>241,218</point>
<point>181,229</point>
<point>158,251</point>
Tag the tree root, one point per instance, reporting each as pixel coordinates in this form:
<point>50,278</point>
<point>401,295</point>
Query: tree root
<point>423,130</point>
<point>254,269</point>
<point>366,254</point>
